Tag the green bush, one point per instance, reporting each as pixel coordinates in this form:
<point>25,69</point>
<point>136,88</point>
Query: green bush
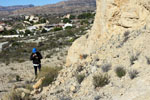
<point>44,31</point>
<point>80,78</point>
<point>58,28</point>
<point>72,16</point>
<point>86,16</point>
<point>49,73</point>
<point>68,27</point>
<point>18,78</point>
<point>100,80</point>
<point>120,71</point>
<point>66,20</point>
<point>84,22</point>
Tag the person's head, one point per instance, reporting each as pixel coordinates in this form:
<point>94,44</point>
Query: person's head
<point>34,50</point>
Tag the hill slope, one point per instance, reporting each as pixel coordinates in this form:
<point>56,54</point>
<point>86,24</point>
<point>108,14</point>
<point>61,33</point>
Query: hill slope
<point>12,8</point>
<point>119,38</point>
<point>61,7</point>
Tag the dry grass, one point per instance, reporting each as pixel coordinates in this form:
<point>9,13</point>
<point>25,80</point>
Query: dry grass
<point>100,80</point>
<point>50,75</point>
<point>133,74</point>
<point>106,67</point>
<point>16,95</point>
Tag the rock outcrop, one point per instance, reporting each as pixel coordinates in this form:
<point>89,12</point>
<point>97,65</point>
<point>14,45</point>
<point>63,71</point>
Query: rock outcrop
<point>118,38</point>
<point>112,17</point>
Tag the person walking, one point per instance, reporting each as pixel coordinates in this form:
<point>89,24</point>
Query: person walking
<point>36,59</point>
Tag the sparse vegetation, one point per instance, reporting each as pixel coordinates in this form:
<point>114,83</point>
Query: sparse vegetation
<point>16,95</point>
<point>50,75</point>
<point>18,78</point>
<point>29,87</point>
<point>133,74</point>
<point>106,67</point>
<point>58,28</point>
<point>86,16</point>
<point>134,58</point>
<point>100,80</point>
<point>120,71</point>
<point>148,60</point>
<point>80,78</point>
<point>66,20</point>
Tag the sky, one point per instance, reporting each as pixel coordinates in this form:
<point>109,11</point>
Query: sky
<point>26,2</point>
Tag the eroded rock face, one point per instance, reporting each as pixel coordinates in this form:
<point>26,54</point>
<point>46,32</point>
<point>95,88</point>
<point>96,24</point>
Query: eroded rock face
<point>112,17</point>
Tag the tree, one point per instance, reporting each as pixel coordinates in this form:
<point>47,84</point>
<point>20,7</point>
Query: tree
<point>66,20</point>
<point>44,31</point>
<point>27,32</point>
<point>72,16</point>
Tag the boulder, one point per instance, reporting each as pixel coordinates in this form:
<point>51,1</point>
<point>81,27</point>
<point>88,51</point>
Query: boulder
<point>38,83</point>
<point>113,17</point>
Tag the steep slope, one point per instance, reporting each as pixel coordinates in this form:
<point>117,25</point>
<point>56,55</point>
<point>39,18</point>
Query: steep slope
<point>112,17</point>
<point>119,38</point>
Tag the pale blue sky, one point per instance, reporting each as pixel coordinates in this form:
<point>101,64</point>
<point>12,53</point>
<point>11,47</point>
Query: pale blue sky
<point>26,2</point>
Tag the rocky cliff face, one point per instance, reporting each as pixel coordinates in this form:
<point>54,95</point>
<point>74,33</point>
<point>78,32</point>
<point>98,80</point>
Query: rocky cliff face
<point>119,38</point>
<point>112,17</point>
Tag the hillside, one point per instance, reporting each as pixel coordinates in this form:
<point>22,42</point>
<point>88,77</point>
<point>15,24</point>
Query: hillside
<point>12,8</point>
<point>58,8</point>
<point>113,57</point>
<point>111,61</point>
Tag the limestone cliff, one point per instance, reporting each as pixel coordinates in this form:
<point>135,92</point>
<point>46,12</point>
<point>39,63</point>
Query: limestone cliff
<point>120,37</point>
<point>112,17</point>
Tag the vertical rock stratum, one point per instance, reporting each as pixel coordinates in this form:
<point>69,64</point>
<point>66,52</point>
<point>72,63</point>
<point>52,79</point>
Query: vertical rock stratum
<point>112,17</point>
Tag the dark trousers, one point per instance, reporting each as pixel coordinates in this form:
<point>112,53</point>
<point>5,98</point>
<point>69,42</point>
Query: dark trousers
<point>35,69</point>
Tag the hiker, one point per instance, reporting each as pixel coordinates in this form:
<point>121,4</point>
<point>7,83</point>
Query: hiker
<point>36,58</point>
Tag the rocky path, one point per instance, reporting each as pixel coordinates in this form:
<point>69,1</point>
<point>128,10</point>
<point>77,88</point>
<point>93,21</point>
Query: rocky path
<point>18,74</point>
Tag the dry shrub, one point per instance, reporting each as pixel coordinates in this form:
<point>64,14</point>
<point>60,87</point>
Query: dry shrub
<point>80,78</point>
<point>50,75</point>
<point>100,80</point>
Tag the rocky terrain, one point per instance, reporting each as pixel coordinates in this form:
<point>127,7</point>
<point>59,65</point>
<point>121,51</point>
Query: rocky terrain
<point>118,38</point>
<point>113,58</point>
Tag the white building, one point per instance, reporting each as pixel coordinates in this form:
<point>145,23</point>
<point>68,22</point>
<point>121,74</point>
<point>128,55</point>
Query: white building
<point>1,28</point>
<point>31,28</point>
<point>66,25</point>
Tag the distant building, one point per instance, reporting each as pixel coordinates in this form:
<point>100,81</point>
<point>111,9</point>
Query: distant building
<point>39,25</point>
<point>2,24</point>
<point>66,25</point>
<point>1,28</point>
<point>27,17</point>
<point>8,27</point>
<point>31,28</point>
<point>10,36</point>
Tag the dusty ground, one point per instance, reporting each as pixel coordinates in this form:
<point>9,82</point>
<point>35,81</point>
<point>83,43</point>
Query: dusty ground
<point>25,70</point>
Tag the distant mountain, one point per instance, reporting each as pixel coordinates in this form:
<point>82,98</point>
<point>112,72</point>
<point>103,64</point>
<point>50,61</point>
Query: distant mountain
<point>13,8</point>
<point>68,6</point>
